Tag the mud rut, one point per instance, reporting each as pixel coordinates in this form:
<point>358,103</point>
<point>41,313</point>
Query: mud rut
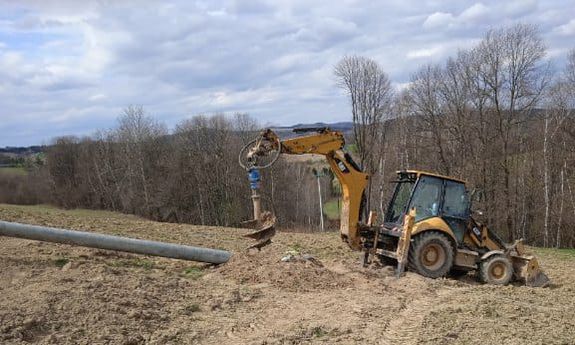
<point>406,326</point>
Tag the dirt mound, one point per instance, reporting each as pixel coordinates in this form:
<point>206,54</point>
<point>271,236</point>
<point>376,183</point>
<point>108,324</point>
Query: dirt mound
<point>295,276</point>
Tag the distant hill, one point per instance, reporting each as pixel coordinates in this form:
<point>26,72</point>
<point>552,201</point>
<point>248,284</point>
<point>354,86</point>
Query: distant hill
<point>22,151</point>
<point>339,126</point>
<point>16,156</point>
<point>287,131</point>
<point>345,127</point>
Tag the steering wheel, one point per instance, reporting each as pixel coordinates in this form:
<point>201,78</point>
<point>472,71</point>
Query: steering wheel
<point>260,153</point>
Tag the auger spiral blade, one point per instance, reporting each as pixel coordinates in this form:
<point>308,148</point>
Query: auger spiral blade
<point>264,230</point>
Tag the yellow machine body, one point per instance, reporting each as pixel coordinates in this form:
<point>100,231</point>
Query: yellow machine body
<point>477,249</point>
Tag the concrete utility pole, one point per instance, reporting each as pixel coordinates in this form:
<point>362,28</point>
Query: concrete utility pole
<point>318,174</point>
<point>123,244</point>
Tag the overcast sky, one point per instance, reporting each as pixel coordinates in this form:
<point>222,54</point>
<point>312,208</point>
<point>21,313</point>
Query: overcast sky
<point>70,67</point>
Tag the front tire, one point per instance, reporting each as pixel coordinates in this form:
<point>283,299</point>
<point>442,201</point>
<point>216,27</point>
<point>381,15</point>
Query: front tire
<point>431,255</point>
<point>496,270</point>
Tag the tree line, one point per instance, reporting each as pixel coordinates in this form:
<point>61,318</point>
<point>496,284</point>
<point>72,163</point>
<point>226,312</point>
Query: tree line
<point>188,175</point>
<point>497,115</point>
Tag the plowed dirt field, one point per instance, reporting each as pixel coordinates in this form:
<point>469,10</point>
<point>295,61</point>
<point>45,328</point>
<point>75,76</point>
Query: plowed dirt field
<point>59,294</point>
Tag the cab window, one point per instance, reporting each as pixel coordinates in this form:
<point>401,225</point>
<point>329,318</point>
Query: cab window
<point>399,202</point>
<point>426,197</point>
<point>455,202</point>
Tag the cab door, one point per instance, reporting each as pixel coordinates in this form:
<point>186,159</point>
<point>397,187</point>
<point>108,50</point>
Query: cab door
<point>426,197</point>
<point>455,208</point>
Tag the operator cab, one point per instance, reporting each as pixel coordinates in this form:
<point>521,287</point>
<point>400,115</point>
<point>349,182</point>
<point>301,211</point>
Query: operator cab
<point>432,195</point>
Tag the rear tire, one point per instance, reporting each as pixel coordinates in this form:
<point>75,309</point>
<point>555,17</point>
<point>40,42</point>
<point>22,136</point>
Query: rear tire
<point>496,270</point>
<point>431,255</point>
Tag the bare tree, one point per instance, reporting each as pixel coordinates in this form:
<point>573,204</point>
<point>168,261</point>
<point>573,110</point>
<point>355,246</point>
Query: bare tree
<point>514,77</point>
<point>426,100</point>
<point>370,95</point>
<point>245,126</point>
<point>570,68</point>
<point>138,136</point>
<point>63,166</point>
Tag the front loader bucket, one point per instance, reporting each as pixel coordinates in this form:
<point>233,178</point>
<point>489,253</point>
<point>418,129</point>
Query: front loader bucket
<point>537,279</point>
<point>527,269</point>
<point>264,230</point>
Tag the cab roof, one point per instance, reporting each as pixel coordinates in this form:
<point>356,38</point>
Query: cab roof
<point>419,173</point>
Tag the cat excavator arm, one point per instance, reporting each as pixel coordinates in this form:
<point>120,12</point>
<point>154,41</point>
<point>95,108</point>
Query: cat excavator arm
<point>319,141</point>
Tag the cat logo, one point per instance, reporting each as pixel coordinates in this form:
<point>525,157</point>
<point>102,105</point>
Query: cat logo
<point>342,167</point>
<point>477,232</point>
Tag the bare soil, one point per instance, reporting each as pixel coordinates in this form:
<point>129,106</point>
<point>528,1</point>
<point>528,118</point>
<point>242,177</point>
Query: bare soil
<point>59,294</point>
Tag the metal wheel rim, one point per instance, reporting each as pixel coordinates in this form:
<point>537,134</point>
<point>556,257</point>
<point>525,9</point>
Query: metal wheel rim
<point>276,155</point>
<point>498,270</point>
<point>433,256</point>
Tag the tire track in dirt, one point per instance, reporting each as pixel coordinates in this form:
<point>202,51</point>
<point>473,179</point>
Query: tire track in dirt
<point>405,328</point>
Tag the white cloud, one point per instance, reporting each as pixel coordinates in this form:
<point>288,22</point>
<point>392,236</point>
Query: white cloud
<point>69,67</point>
<point>438,19</point>
<point>475,12</point>
<point>97,97</point>
<point>423,53</point>
<point>470,15</point>
<point>566,29</point>
<point>518,7</point>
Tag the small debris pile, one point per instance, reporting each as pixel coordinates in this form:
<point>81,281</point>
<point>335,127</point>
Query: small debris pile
<point>292,272</point>
<point>305,258</point>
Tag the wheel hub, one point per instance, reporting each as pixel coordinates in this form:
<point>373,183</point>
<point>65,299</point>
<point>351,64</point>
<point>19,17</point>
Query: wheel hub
<point>433,256</point>
<point>498,270</point>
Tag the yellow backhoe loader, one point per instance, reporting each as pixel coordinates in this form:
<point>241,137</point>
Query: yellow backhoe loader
<point>427,228</point>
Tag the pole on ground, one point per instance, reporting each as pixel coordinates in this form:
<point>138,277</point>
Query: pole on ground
<point>123,244</point>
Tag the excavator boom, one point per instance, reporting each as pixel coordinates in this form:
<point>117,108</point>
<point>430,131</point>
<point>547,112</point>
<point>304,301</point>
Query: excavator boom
<point>353,181</point>
<point>330,144</point>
